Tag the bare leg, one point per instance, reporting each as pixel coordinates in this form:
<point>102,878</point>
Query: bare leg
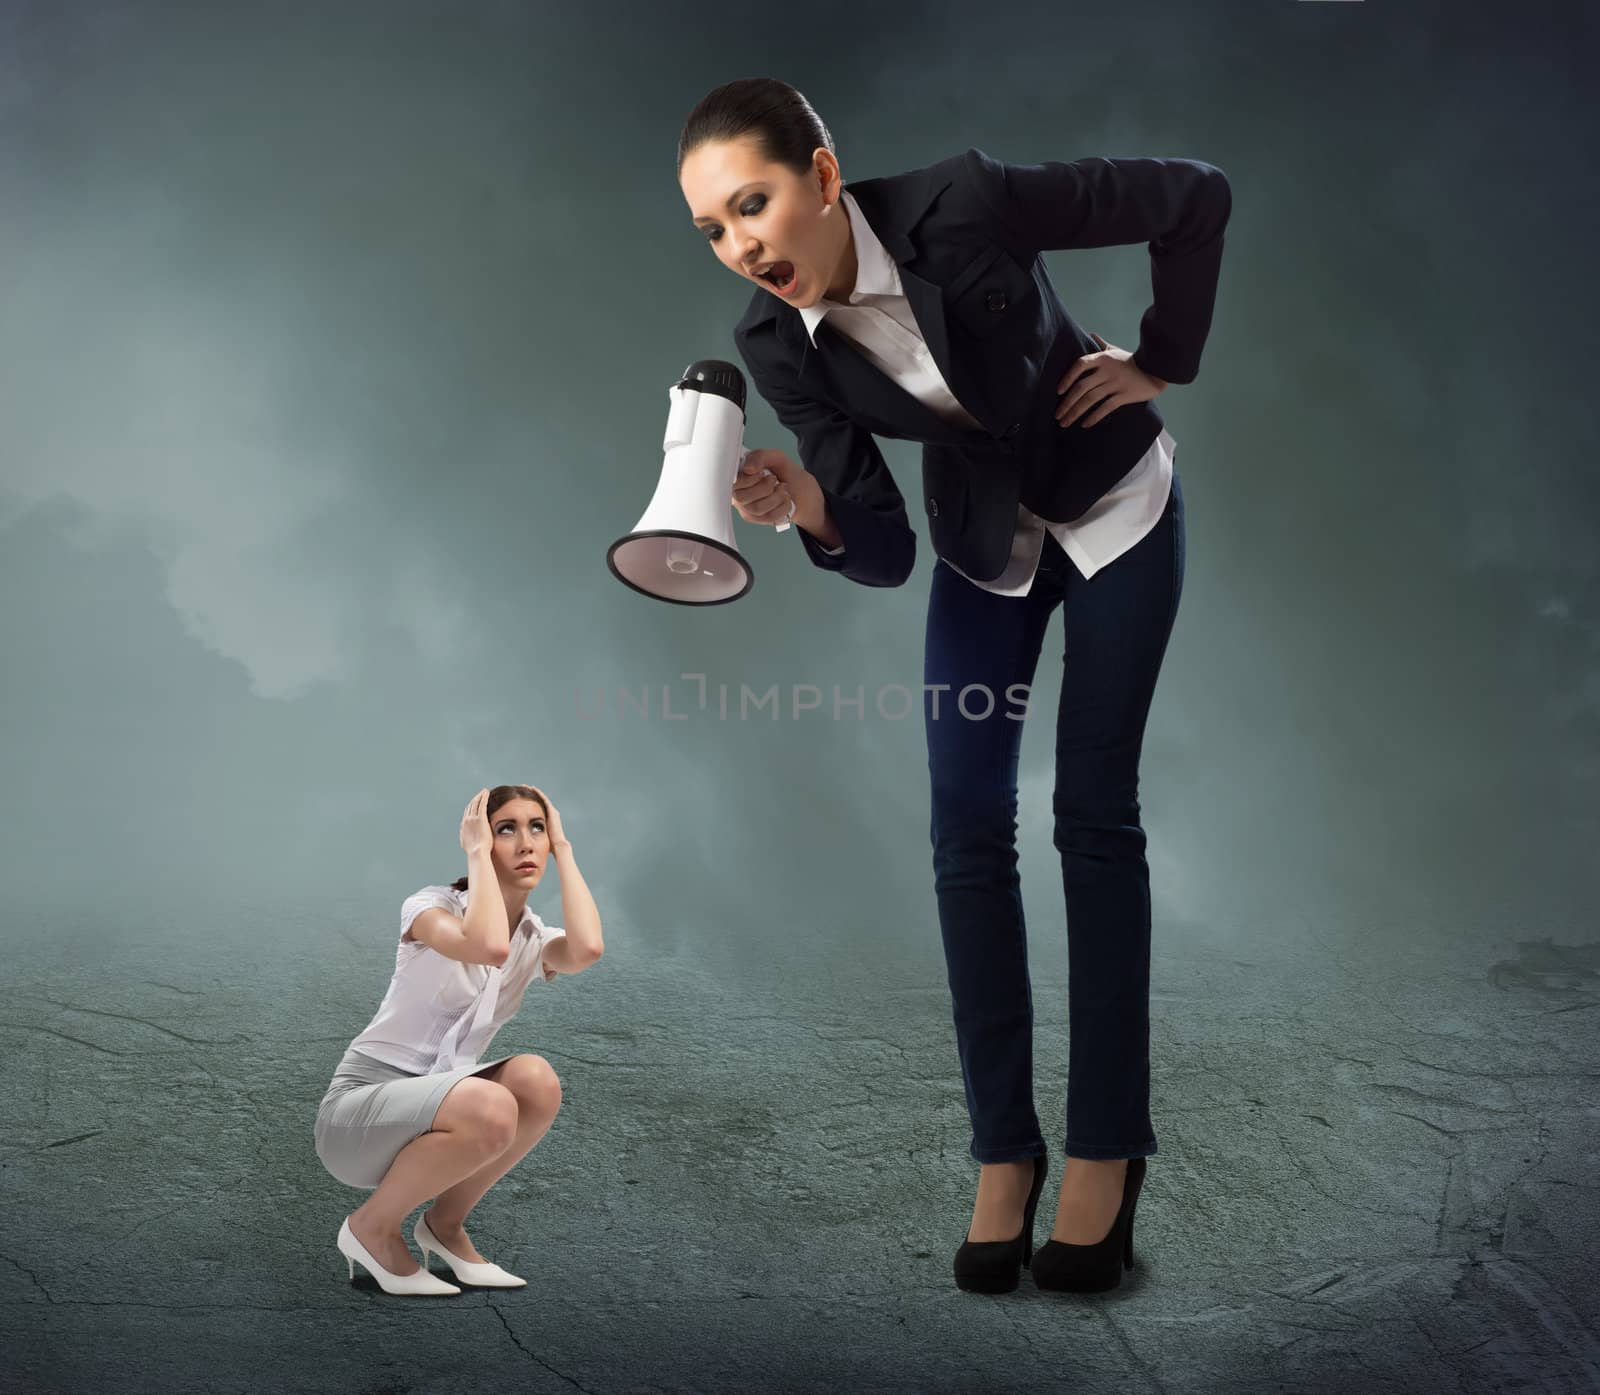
<point>476,1121</point>
<point>1091,1192</point>
<point>1002,1198</point>
<point>537,1091</point>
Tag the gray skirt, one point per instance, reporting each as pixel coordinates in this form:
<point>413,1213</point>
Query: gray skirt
<point>372,1110</point>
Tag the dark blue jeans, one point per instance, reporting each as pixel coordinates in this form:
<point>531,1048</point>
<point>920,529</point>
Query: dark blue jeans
<point>1117,624</point>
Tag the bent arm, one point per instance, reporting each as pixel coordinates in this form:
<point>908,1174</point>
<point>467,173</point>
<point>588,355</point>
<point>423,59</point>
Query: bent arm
<point>1179,207</point>
<point>580,944</point>
<point>444,931</point>
<point>482,936</point>
<point>859,494</point>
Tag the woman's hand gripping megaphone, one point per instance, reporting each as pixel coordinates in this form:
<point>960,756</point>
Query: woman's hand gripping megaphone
<point>770,486</point>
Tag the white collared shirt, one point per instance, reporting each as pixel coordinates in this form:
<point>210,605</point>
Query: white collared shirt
<point>440,1013</point>
<point>877,318</point>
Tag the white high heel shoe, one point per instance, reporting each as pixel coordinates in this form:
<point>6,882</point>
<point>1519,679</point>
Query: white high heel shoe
<point>485,1275</point>
<point>423,1281</point>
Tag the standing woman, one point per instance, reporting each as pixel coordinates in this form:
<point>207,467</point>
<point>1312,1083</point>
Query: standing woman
<point>916,306</point>
<point>411,1112</point>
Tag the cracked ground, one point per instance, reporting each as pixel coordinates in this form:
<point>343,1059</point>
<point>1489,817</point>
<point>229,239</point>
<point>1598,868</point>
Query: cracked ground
<point>1376,1172</point>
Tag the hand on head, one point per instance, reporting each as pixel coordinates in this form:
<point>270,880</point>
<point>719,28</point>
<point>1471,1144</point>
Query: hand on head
<point>558,837</point>
<point>476,835</point>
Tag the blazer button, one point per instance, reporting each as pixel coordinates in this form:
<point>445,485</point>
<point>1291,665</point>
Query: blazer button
<point>996,300</point>
<point>933,508</point>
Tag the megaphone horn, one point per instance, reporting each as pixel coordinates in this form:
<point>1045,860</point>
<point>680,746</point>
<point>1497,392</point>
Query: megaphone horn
<point>682,548</point>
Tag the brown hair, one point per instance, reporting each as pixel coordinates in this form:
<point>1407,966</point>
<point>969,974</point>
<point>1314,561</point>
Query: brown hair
<point>787,129</point>
<point>498,796</point>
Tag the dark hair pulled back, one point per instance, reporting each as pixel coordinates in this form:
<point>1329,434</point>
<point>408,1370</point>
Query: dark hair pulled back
<point>787,129</point>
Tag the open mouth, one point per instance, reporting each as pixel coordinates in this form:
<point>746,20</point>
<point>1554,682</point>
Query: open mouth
<point>780,274</point>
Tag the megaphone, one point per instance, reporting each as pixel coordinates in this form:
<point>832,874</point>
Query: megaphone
<point>682,549</point>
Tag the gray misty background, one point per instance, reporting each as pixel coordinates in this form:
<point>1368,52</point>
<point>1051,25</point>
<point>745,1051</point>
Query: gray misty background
<point>334,353</point>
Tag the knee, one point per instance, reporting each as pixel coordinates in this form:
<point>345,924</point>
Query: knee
<point>534,1082</point>
<point>487,1112</point>
<point>1096,800</point>
<point>964,818</point>
<point>1100,832</point>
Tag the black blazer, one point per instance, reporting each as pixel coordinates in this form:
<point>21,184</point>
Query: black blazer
<point>966,235</point>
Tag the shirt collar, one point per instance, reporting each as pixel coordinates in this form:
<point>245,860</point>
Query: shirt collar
<point>876,273</point>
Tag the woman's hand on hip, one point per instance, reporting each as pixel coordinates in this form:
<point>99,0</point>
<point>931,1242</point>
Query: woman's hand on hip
<point>476,835</point>
<point>772,488</point>
<point>1097,384</point>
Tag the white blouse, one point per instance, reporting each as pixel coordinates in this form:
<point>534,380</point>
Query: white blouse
<point>440,1013</point>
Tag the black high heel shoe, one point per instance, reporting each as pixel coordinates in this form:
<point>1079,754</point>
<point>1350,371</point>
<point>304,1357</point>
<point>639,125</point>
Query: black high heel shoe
<point>1094,1268</point>
<point>994,1266</point>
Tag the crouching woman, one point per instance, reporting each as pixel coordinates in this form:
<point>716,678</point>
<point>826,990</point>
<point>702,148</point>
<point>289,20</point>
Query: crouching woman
<point>413,1112</point>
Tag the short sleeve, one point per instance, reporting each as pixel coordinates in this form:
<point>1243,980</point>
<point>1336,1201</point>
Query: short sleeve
<point>430,896</point>
<point>548,935</point>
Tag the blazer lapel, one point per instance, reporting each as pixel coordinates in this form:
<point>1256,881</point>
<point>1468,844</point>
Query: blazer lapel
<point>836,367</point>
<point>927,304</point>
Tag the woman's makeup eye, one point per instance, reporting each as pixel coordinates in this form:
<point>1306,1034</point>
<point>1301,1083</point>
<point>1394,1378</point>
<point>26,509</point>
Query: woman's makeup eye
<point>751,207</point>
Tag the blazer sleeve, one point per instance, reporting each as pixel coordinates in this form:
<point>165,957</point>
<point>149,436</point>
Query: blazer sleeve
<point>879,545</point>
<point>1178,207</point>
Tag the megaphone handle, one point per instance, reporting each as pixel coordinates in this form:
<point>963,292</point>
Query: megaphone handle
<point>784,526</point>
